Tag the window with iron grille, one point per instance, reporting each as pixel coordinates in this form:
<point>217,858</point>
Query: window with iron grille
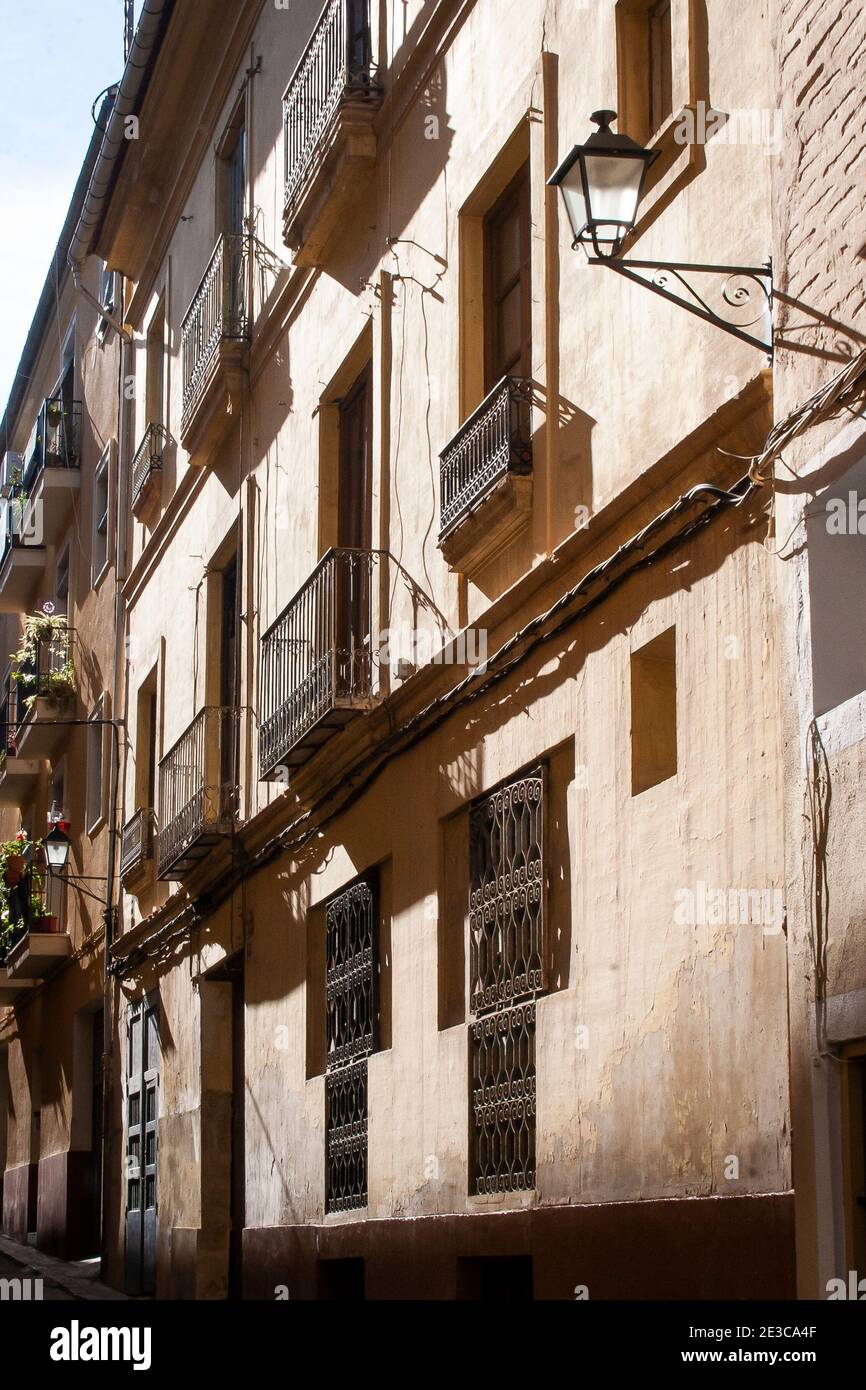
<point>507,961</point>
<point>350,1002</point>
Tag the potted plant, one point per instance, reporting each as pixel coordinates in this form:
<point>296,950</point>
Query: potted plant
<point>42,666</point>
<point>40,920</point>
<point>12,859</point>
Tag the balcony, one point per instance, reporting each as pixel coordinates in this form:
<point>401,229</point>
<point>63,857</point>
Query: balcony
<point>197,792</point>
<point>51,478</point>
<point>486,478</point>
<point>11,990</point>
<point>317,661</point>
<point>329,109</point>
<point>214,340</point>
<point>136,847</point>
<point>22,554</point>
<point>19,777</point>
<point>147,467</point>
<point>35,944</point>
<point>44,680</point>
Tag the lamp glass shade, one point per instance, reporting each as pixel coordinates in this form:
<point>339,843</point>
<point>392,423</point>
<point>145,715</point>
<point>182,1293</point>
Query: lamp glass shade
<point>614,184</point>
<point>56,846</point>
<point>574,199</point>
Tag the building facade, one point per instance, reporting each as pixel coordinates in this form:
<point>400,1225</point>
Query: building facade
<point>59,759</point>
<point>820,246</point>
<point>462,895</point>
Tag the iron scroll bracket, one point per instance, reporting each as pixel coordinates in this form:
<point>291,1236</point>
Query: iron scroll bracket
<point>743,288</point>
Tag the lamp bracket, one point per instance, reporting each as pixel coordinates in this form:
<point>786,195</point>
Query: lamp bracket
<point>733,292</point>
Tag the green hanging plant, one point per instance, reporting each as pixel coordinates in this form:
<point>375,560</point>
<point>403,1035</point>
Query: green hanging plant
<point>12,866</point>
<point>56,679</point>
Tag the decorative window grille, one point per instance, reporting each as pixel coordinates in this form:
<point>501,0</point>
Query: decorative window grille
<point>506,897</point>
<point>502,1050</point>
<point>507,953</point>
<point>350,1001</point>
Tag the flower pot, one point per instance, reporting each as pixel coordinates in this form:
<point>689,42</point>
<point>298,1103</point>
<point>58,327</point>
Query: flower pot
<point>45,923</point>
<point>14,869</point>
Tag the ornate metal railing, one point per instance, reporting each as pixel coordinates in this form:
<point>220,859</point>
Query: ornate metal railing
<point>494,441</point>
<point>55,441</point>
<point>18,929</point>
<point>218,312</point>
<point>335,65</point>
<point>318,655</point>
<point>147,460</point>
<point>29,902</point>
<point>46,669</point>
<point>197,787</point>
<point>9,718</point>
<point>136,841</point>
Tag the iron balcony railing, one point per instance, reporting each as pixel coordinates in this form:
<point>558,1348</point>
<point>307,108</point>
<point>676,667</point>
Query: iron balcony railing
<point>335,67</point>
<point>18,929</point>
<point>30,903</point>
<point>197,790</point>
<point>9,719</point>
<point>496,440</point>
<point>218,313</point>
<point>147,460</point>
<point>136,841</point>
<point>317,658</point>
<point>47,671</point>
<point>55,441</point>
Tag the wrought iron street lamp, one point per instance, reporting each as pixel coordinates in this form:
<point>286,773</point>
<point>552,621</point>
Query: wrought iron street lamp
<point>602,184</point>
<point>56,845</point>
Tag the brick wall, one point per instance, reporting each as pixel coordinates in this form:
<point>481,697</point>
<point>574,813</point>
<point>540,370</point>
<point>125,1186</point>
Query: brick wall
<point>820,188</point>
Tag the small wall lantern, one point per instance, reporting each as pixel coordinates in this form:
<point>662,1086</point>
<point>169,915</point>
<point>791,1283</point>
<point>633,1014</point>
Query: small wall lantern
<point>602,183</point>
<point>57,842</point>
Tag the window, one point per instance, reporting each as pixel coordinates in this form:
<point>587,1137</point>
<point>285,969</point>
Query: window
<point>155,384</point>
<point>836,537</point>
<point>507,288</point>
<point>660,63</point>
<point>507,970</point>
<point>351,926</point>
<point>233,182</point>
<point>107,297</point>
<point>147,728</point>
<point>654,712</point>
<point>854,1130</point>
<point>645,64</point>
<point>340,1281</point>
<point>95,777</point>
<point>99,551</point>
<point>106,287</point>
<point>61,583</point>
<point>495,1278</point>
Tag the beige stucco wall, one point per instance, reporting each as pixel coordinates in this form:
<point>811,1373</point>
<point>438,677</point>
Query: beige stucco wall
<point>685,1057</point>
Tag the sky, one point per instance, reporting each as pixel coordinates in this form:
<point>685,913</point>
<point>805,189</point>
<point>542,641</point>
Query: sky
<point>56,56</point>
